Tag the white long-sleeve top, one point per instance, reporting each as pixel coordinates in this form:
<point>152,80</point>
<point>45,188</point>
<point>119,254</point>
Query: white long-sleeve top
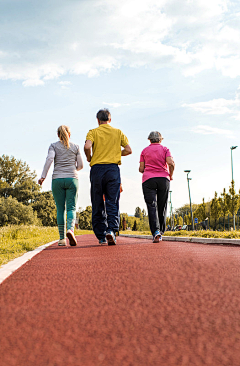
<point>66,161</point>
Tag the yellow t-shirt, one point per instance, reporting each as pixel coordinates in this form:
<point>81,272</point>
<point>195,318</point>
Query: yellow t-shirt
<point>107,142</point>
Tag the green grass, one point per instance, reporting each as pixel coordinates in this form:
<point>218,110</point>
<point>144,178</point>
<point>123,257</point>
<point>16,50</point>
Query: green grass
<point>17,240</point>
<point>130,232</point>
<point>199,233</point>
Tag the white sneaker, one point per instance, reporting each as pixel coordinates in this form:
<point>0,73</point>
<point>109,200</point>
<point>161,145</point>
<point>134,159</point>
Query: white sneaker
<point>71,238</point>
<point>62,242</point>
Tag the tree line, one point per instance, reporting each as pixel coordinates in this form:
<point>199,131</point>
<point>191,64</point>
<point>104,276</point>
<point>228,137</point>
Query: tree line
<point>217,213</point>
<point>138,222</point>
<point>22,202</point>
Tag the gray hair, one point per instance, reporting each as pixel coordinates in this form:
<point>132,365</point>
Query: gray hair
<point>155,136</point>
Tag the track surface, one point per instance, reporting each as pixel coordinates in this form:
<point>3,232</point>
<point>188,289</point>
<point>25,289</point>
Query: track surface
<point>136,303</point>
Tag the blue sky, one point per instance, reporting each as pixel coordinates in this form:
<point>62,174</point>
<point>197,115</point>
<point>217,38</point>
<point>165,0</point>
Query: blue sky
<point>166,65</point>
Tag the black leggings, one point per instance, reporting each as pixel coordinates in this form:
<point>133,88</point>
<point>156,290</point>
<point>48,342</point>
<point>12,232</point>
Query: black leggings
<point>155,191</point>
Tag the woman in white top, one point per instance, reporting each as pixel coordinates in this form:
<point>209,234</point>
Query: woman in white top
<point>67,160</point>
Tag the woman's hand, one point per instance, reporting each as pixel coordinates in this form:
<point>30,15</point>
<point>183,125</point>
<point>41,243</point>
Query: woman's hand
<point>40,181</point>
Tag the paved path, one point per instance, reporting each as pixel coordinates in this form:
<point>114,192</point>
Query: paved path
<point>137,303</point>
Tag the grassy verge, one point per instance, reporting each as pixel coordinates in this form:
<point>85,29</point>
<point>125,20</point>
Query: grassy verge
<point>17,240</point>
<point>199,233</point>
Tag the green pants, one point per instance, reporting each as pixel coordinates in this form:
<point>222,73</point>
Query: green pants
<point>65,193</point>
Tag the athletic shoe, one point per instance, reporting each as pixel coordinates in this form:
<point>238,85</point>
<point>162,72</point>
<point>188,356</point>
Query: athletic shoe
<point>62,242</point>
<point>111,238</point>
<point>71,237</point>
<point>102,241</point>
<point>157,237</point>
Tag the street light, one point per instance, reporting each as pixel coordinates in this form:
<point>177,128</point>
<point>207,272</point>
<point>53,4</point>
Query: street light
<point>170,208</point>
<point>233,148</point>
<point>188,179</point>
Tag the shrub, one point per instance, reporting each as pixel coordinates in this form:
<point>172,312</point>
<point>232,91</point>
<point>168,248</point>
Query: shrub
<point>13,212</point>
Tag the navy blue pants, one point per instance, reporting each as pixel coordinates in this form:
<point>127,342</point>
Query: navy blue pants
<point>155,191</point>
<point>105,180</point>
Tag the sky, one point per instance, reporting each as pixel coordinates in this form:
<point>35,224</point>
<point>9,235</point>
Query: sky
<point>165,65</point>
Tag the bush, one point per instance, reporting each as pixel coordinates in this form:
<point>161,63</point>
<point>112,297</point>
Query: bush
<point>13,212</point>
<point>85,218</point>
<point>44,206</point>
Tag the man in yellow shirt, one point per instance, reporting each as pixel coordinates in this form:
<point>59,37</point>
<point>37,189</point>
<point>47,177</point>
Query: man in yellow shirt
<point>103,150</point>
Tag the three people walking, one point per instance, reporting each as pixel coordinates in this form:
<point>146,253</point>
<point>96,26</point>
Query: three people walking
<point>104,147</point>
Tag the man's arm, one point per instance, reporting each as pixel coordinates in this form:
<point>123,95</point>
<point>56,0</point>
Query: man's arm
<point>127,150</point>
<point>87,150</point>
<point>171,165</point>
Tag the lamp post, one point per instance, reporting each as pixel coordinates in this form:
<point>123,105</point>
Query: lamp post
<point>188,179</point>
<point>170,201</point>
<point>233,148</point>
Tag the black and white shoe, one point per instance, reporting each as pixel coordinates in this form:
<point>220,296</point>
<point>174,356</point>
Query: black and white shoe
<point>111,238</point>
<point>157,237</point>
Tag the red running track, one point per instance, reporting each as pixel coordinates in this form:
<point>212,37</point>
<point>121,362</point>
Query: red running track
<point>136,303</point>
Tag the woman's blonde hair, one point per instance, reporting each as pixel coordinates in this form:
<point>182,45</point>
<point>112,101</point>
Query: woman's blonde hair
<point>63,134</point>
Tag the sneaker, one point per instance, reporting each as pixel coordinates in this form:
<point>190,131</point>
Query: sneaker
<point>71,238</point>
<point>157,237</point>
<point>111,238</point>
<point>102,241</point>
<point>62,242</point>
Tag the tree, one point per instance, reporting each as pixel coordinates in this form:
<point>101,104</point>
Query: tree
<point>224,203</point>
<point>179,220</point>
<point>168,221</point>
<point>188,219</point>
<point>233,199</point>
<point>134,228</point>
<point>185,209</point>
<point>85,218</point>
<point>124,224</point>
<point>16,180</point>
<point>13,212</point>
<point>45,208</point>
<point>138,213</point>
<point>174,220</point>
<point>215,209</point>
<point>200,212</point>
<point>142,223</point>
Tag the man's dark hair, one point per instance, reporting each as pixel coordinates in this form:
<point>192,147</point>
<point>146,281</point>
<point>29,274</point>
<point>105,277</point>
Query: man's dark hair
<point>103,115</point>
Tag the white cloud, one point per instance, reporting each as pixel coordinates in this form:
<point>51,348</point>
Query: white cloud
<point>218,106</point>
<point>116,105</point>
<point>64,83</point>
<point>33,82</point>
<point>191,35</point>
<point>208,130</point>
